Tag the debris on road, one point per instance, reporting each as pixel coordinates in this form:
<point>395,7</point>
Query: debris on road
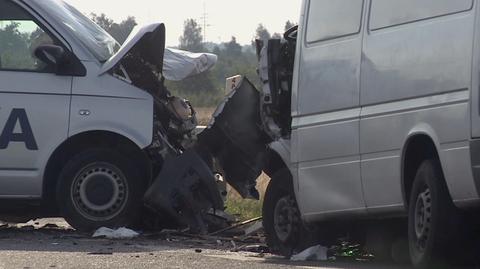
<point>243,223</point>
<point>255,227</point>
<point>315,253</point>
<point>120,233</point>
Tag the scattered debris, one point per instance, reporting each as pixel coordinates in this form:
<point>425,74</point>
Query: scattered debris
<point>315,253</point>
<point>120,233</point>
<point>50,226</point>
<point>236,226</point>
<point>344,249</point>
<point>254,228</point>
<point>27,228</point>
<point>100,253</point>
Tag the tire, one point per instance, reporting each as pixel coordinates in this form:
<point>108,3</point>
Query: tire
<point>432,218</point>
<point>100,188</point>
<point>286,234</point>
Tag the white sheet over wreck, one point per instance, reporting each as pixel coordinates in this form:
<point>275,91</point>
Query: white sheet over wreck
<point>180,64</point>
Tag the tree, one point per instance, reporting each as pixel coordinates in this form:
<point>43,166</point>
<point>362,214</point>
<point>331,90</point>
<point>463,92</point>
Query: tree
<point>262,33</point>
<point>102,20</point>
<point>277,36</point>
<point>119,31</point>
<point>289,25</point>
<point>192,38</point>
<point>232,48</point>
<point>15,50</point>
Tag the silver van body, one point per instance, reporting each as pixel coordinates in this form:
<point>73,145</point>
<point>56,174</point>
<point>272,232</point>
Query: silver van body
<point>376,84</point>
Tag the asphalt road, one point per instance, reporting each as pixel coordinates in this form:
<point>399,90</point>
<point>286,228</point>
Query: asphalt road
<point>58,246</point>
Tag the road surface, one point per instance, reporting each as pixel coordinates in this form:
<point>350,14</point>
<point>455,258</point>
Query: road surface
<point>57,246</point>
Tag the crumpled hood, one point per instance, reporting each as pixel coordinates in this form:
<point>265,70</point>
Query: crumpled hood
<point>147,41</point>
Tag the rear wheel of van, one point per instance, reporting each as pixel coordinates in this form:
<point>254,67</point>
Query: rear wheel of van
<point>286,234</point>
<point>432,218</point>
<point>100,187</point>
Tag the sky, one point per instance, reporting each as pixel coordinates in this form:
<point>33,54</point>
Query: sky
<point>226,18</point>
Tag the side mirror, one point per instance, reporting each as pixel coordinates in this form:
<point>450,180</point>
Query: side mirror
<point>52,55</point>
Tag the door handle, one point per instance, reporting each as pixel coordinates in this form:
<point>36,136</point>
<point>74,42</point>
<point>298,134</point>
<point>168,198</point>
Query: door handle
<point>84,112</point>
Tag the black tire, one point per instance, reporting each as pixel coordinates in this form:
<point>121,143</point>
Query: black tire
<point>432,218</point>
<point>100,187</point>
<point>286,234</point>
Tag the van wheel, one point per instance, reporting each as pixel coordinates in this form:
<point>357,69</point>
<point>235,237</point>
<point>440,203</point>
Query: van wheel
<point>285,232</point>
<point>432,218</point>
<point>100,187</point>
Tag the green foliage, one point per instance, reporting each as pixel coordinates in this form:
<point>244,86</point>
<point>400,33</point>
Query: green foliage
<point>16,49</point>
<point>243,209</point>
<point>208,89</point>
<point>192,38</point>
<point>288,25</point>
<point>262,33</point>
<point>119,31</point>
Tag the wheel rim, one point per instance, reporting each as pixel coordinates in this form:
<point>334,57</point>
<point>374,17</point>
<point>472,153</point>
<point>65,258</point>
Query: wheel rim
<point>422,219</point>
<point>99,192</point>
<point>285,218</point>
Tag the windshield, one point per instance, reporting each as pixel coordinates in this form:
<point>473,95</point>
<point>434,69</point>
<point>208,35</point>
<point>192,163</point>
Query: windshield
<point>97,40</point>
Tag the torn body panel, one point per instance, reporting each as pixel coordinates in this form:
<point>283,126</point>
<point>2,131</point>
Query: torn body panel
<point>236,140</point>
<point>276,62</point>
<point>235,143</point>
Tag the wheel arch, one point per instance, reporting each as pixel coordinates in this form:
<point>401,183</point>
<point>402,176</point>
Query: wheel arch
<point>82,141</point>
<point>419,146</point>
<point>278,156</point>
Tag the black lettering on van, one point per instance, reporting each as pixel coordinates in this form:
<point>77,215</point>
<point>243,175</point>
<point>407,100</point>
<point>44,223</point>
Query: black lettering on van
<point>25,135</point>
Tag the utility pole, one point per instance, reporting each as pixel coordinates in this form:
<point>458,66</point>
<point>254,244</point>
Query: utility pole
<point>204,19</point>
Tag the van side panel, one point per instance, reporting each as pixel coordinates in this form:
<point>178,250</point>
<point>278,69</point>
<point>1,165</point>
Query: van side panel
<point>416,79</point>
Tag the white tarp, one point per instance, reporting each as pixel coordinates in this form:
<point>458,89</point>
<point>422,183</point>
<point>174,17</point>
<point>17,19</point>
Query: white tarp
<point>120,233</point>
<point>315,253</point>
<point>179,64</point>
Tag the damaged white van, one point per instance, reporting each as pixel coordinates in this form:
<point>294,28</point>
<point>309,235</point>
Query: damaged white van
<point>85,125</point>
<point>377,104</point>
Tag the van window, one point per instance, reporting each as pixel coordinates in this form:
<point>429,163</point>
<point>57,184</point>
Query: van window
<point>20,35</point>
<point>386,13</point>
<point>329,19</point>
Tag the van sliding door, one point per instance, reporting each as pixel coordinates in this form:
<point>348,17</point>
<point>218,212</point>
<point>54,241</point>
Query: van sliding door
<point>416,71</point>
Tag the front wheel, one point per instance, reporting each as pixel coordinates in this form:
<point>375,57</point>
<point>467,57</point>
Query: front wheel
<point>432,219</point>
<point>285,232</point>
<point>100,187</point>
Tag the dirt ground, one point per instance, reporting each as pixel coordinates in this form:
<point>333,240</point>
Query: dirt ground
<point>51,243</point>
<point>204,114</point>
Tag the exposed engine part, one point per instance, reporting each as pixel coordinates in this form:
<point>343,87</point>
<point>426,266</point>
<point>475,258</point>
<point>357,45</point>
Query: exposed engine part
<point>179,107</point>
<point>276,63</point>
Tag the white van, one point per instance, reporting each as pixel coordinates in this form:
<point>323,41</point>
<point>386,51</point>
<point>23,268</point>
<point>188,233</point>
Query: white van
<point>84,123</point>
<point>383,124</point>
